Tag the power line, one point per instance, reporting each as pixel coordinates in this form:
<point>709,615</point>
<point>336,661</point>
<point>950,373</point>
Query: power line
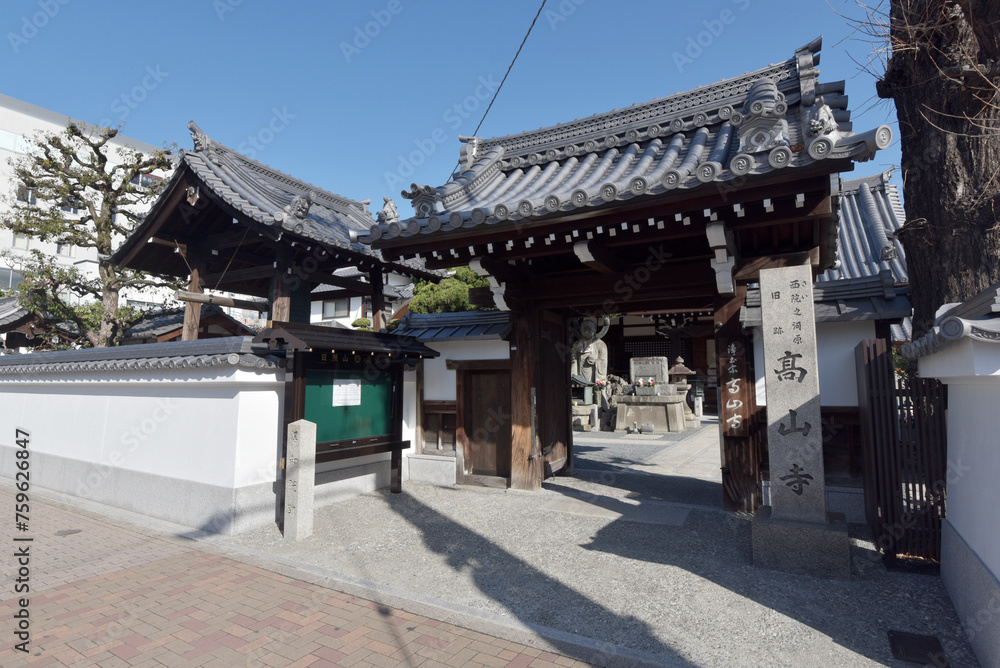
<point>539,13</point>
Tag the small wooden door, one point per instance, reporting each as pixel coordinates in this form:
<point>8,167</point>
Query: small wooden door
<point>485,431</point>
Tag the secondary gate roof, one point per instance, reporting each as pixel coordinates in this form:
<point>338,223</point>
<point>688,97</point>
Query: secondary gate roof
<point>214,187</point>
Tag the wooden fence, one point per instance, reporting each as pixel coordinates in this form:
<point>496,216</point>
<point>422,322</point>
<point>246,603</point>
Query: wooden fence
<point>905,468</point>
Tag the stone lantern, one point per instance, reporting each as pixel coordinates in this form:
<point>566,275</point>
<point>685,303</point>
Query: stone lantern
<point>678,375</point>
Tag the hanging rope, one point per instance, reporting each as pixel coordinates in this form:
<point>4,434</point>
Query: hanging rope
<point>237,250</point>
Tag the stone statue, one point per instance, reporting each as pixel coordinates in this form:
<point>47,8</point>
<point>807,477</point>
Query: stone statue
<point>590,353</point>
<point>389,213</point>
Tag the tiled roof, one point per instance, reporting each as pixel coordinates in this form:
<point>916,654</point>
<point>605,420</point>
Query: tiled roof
<point>12,314</point>
<point>778,117</point>
<point>468,325</point>
<point>976,318</point>
<point>231,351</point>
<point>157,323</point>
<point>870,214</point>
<point>268,197</point>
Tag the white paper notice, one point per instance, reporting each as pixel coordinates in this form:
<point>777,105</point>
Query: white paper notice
<point>346,392</point>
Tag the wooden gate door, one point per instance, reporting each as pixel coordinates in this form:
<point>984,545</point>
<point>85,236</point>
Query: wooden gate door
<point>484,430</point>
<point>903,437</point>
<point>553,395</point>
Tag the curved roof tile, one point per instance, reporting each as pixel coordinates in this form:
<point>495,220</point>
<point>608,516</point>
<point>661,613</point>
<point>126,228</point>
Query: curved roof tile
<point>773,118</point>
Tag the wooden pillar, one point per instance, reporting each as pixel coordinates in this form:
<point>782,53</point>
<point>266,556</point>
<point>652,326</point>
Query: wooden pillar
<point>378,300</point>
<point>281,296</point>
<point>737,406</point>
<point>192,310</point>
<point>526,457</point>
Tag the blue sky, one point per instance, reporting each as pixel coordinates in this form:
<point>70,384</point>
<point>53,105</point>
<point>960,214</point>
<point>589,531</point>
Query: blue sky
<point>364,97</point>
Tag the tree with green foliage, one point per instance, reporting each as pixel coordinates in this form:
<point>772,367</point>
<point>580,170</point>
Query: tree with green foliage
<point>451,294</point>
<point>80,169</point>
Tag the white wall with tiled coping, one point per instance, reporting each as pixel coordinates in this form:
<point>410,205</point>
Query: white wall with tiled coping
<point>199,447</point>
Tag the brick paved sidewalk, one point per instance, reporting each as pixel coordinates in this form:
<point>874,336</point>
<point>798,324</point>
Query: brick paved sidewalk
<point>106,593</point>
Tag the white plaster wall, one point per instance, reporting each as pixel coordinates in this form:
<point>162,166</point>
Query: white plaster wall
<point>258,435</point>
<point>835,343</point>
<point>974,466</point>
<point>971,370</point>
<point>439,381</point>
<point>209,426</point>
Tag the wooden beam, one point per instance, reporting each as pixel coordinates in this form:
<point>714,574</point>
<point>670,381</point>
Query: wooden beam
<point>238,275</point>
<point>281,299</point>
<point>477,365</point>
<point>598,258</point>
<point>750,270</point>
<point>202,298</point>
<point>662,208</point>
<point>192,311</point>
<point>378,300</point>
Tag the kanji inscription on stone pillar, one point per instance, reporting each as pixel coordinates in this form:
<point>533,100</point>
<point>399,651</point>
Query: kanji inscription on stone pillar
<point>791,382</point>
<point>300,478</point>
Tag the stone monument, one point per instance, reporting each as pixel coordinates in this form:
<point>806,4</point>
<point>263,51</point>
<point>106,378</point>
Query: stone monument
<point>795,533</point>
<point>655,401</point>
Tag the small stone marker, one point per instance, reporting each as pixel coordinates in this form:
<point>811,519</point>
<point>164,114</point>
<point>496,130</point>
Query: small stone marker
<point>794,429</point>
<point>300,479</point>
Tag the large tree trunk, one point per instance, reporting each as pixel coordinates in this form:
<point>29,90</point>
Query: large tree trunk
<point>110,326</point>
<point>943,77</point>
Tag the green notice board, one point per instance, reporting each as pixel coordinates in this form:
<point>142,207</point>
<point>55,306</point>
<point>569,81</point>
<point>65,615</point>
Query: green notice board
<point>348,404</point>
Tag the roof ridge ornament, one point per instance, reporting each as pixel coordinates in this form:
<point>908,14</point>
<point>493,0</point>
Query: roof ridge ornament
<point>389,213</point>
<point>468,151</point>
<point>762,125</point>
<point>202,142</point>
<point>293,215</point>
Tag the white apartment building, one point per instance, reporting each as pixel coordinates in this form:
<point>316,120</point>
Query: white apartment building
<point>19,123</point>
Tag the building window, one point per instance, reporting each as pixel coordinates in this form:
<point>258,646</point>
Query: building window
<point>439,426</point>
<point>65,250</point>
<point>26,195</point>
<point>21,241</point>
<point>9,278</point>
<point>146,181</point>
<point>336,308</point>
<point>71,207</point>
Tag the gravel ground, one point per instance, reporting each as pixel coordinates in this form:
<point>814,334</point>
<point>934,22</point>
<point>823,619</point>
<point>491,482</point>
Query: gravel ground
<point>688,593</point>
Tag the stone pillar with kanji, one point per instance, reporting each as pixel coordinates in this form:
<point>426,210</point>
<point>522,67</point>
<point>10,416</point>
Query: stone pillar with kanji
<point>795,533</point>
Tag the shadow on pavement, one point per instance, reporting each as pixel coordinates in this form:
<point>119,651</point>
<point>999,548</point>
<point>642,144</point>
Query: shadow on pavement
<point>716,545</point>
<point>527,593</point>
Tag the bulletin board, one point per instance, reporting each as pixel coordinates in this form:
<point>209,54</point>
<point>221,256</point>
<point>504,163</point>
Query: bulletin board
<point>349,404</point>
